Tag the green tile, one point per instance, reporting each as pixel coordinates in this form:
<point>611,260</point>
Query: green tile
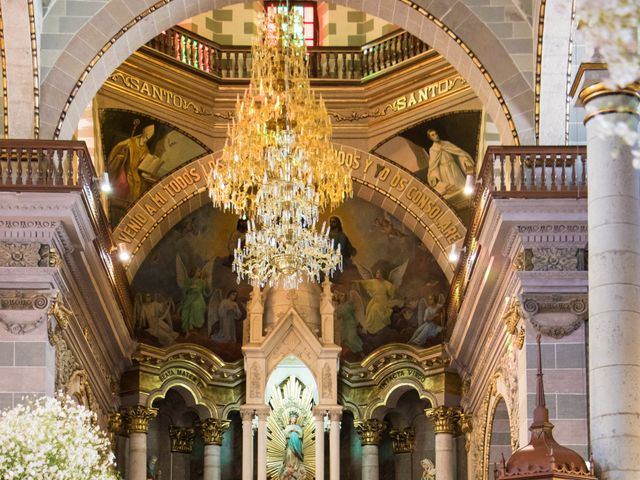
<point>333,28</point>
<point>223,39</point>
<point>356,40</point>
<point>250,28</point>
<point>365,27</point>
<point>356,17</point>
<point>223,15</point>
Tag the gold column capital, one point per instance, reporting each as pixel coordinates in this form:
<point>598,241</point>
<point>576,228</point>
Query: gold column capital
<point>598,89</point>
<point>213,429</point>
<point>444,418</point>
<point>181,439</point>
<point>369,430</point>
<point>466,427</point>
<point>402,439</point>
<point>138,417</point>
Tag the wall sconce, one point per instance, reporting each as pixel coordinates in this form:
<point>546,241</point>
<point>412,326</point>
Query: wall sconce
<point>454,253</point>
<point>105,185</point>
<point>469,185</point>
<point>123,253</point>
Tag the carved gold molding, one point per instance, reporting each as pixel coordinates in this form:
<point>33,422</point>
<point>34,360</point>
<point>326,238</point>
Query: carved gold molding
<point>213,429</point>
<point>466,427</point>
<point>181,439</point>
<point>402,439</point>
<point>138,417</point>
<point>115,427</point>
<point>369,430</point>
<point>445,419</point>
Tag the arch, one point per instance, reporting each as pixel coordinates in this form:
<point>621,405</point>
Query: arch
<point>115,31</point>
<point>276,377</point>
<point>496,446</point>
<point>189,392</point>
<point>389,397</point>
<point>376,180</point>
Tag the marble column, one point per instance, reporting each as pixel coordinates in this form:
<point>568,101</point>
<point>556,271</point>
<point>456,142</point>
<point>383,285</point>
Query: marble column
<point>247,443</point>
<point>614,284</point>
<point>334,444</point>
<point>403,442</point>
<point>369,432</point>
<point>212,431</point>
<point>138,418</point>
<point>444,420</point>
<point>319,414</point>
<point>262,414</point>
<point>181,448</point>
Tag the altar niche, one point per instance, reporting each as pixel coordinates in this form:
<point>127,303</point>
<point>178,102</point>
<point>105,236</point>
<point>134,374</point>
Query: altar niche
<point>291,394</point>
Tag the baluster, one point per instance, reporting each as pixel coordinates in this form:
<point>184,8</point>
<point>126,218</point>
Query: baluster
<point>324,65</point>
<point>543,174</point>
<point>2,169</point>
<point>200,57</point>
<point>378,59</point>
<point>512,173</point>
<point>334,71</point>
<point>29,179</point>
<point>48,170</point>
<point>70,173</point>
<point>532,163</point>
<point>343,57</point>
<point>397,49</point>
<point>563,174</point>
<point>18,166</point>
<point>583,179</point>
<point>9,154</point>
<point>522,167</point>
<point>60,168</point>
<point>501,160</point>
<point>553,171</point>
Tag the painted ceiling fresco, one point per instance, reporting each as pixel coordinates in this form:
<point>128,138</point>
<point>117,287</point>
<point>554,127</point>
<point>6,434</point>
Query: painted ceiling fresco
<point>138,151</point>
<point>441,152</point>
<point>391,289</point>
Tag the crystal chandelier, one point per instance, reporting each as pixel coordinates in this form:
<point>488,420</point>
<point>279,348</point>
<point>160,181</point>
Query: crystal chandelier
<point>279,168</point>
<point>281,131</point>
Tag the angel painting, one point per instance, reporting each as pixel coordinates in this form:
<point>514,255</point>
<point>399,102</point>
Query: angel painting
<point>428,310</point>
<point>153,314</point>
<point>223,313</point>
<point>195,286</point>
<point>347,322</point>
<point>382,297</point>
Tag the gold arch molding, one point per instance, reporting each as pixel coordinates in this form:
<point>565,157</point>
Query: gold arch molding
<point>376,180</point>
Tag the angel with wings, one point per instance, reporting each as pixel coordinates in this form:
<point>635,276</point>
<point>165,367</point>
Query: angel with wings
<point>195,286</point>
<point>428,310</point>
<point>382,295</point>
<point>224,312</point>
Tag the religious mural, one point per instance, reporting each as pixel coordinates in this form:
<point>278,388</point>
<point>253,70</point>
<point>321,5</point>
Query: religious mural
<point>441,152</point>
<point>391,288</point>
<point>138,151</point>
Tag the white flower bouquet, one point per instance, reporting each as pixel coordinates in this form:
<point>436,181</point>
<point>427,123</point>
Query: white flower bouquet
<point>53,439</point>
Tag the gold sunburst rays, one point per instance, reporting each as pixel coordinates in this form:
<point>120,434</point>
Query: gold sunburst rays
<point>290,396</point>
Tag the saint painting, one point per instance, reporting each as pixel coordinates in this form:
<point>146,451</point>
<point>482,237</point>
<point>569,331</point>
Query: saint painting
<point>449,165</point>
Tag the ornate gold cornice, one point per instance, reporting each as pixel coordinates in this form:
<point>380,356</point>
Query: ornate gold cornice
<point>369,430</point>
<point>138,417</point>
<point>403,440</point>
<point>213,429</point>
<point>114,427</point>
<point>444,418</point>
<point>181,439</point>
<point>466,427</point>
<point>598,89</point>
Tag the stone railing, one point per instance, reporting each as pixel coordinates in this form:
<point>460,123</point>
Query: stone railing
<point>326,63</point>
<point>516,172</point>
<point>64,166</point>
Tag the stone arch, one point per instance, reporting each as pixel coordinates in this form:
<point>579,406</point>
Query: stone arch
<point>115,31</point>
<point>276,378</point>
<point>190,393</point>
<point>405,197</point>
<point>481,439</point>
<point>498,426</point>
<point>389,397</point>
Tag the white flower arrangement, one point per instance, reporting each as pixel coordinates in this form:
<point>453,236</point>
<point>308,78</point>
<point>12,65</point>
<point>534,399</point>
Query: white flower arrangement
<point>611,28</point>
<point>54,439</point>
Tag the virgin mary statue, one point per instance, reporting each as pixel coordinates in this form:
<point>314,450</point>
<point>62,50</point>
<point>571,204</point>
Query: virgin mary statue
<point>292,465</point>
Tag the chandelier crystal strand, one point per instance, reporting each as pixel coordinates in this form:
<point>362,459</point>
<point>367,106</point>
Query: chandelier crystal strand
<point>271,120</point>
<point>279,168</point>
